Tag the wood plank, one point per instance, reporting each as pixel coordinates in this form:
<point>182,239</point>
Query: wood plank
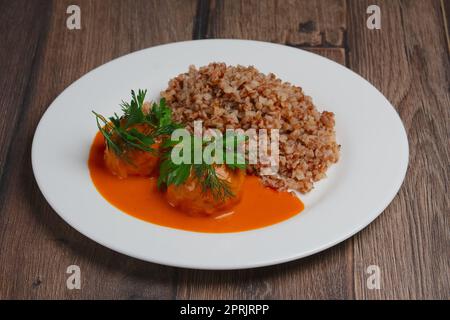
<point>36,245</point>
<point>322,276</point>
<point>295,22</point>
<point>408,61</point>
<point>201,20</point>
<point>445,6</point>
<point>328,275</point>
<point>21,24</point>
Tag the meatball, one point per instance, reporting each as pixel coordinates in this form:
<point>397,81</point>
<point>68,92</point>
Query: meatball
<point>190,198</point>
<point>133,162</point>
<point>140,163</point>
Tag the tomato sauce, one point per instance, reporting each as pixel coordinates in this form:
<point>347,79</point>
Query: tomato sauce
<point>139,197</point>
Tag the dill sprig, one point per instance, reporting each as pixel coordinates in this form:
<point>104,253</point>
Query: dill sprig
<point>120,132</point>
<point>204,173</point>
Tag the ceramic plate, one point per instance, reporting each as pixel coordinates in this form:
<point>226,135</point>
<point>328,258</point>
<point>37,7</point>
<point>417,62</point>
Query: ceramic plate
<point>374,157</point>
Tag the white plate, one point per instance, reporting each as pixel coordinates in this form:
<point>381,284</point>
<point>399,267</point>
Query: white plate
<point>374,157</point>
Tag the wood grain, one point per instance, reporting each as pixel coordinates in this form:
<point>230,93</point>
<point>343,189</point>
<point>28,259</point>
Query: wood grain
<point>408,61</point>
<point>445,6</point>
<point>36,245</point>
<point>20,36</point>
<point>298,23</point>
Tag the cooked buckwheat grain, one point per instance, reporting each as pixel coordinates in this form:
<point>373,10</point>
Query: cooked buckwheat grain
<point>241,97</point>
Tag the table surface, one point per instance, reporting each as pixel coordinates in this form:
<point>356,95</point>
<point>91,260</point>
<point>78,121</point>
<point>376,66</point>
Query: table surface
<point>407,60</point>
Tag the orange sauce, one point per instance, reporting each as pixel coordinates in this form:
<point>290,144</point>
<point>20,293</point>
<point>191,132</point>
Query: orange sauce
<point>139,197</point>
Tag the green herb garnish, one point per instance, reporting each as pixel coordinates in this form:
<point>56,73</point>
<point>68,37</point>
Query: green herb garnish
<point>121,134</point>
<point>205,173</point>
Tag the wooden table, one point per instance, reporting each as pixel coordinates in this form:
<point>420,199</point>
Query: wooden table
<point>407,60</point>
